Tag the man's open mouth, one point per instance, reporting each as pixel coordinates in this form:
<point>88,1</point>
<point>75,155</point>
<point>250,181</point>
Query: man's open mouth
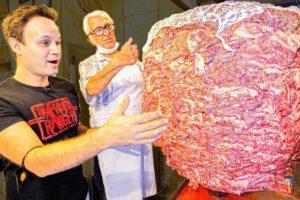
<point>53,61</point>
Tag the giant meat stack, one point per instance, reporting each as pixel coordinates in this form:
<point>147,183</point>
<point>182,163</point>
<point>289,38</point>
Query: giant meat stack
<point>227,76</point>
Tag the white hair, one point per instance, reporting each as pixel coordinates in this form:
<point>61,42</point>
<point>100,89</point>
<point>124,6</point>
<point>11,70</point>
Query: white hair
<point>95,13</point>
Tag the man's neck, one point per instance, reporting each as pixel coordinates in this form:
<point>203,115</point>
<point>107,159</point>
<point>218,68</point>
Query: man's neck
<point>31,79</point>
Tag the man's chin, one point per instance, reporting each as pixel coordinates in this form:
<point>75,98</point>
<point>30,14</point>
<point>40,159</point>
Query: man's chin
<point>110,44</point>
<point>53,73</point>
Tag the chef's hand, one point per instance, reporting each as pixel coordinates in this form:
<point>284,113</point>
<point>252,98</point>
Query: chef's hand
<point>128,54</point>
<point>135,129</point>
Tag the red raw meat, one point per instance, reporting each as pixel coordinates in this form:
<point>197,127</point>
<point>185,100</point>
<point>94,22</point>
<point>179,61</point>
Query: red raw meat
<point>227,76</point>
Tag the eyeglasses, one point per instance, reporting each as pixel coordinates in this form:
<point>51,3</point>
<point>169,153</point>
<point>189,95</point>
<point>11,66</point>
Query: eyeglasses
<point>99,31</point>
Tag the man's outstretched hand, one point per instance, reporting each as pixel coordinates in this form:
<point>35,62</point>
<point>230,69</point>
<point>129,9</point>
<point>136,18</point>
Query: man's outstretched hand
<point>135,129</point>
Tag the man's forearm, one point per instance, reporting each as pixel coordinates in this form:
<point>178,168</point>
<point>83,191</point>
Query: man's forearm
<point>100,81</point>
<point>60,156</point>
<point>21,145</point>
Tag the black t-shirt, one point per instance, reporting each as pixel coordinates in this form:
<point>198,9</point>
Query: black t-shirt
<point>53,113</point>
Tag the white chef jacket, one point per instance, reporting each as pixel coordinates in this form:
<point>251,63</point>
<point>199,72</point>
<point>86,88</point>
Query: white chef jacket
<point>127,171</point>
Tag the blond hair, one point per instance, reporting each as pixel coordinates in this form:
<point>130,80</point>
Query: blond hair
<point>13,24</point>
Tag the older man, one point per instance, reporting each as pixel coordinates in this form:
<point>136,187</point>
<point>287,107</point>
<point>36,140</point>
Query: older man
<point>106,78</point>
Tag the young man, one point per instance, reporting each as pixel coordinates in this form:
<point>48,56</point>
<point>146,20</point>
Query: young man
<point>39,116</point>
<point>106,77</point>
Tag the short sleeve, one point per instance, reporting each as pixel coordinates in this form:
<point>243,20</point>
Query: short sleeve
<point>8,115</point>
<point>86,71</point>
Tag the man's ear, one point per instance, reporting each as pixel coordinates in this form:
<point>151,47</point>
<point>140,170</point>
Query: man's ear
<point>15,45</point>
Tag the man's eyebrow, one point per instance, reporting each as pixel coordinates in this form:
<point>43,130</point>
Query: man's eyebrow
<point>107,23</point>
<point>48,37</point>
<point>99,27</point>
<point>102,26</point>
